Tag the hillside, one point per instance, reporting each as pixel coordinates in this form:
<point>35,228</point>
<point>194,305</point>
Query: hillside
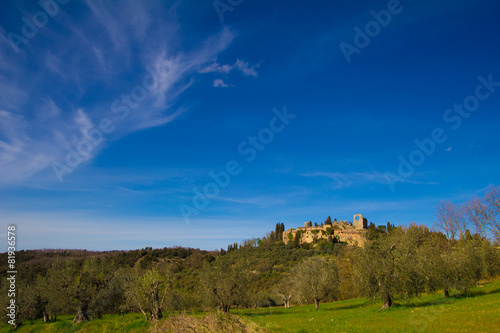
<point>429,313</point>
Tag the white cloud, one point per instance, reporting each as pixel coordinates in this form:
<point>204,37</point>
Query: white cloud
<point>245,68</point>
<point>29,146</point>
<point>46,104</point>
<point>216,68</point>
<point>240,65</point>
<point>220,83</point>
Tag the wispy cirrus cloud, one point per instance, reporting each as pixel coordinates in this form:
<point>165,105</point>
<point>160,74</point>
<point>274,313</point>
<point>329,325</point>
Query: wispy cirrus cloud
<point>345,180</point>
<point>244,67</point>
<point>351,179</point>
<point>49,101</point>
<point>262,201</point>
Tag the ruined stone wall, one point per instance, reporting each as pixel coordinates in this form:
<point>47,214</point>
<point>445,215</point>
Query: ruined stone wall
<point>352,234</point>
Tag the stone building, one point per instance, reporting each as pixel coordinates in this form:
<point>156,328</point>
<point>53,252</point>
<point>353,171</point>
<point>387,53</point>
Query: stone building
<point>347,232</point>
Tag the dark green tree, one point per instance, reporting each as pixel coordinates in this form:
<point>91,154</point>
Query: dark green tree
<point>296,240</point>
<point>90,279</point>
<point>223,283</point>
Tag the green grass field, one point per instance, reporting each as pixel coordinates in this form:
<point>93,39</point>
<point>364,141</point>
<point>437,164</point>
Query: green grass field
<point>479,312</point>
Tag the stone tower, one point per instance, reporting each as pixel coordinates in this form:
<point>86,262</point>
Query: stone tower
<point>359,222</point>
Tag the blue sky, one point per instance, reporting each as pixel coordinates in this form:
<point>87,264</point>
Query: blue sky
<point>115,114</point>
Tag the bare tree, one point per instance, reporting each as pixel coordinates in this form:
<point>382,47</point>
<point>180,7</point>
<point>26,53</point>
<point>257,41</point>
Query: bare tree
<point>460,220</point>
<point>478,215</point>
<point>446,212</point>
<point>285,289</point>
<point>492,200</point>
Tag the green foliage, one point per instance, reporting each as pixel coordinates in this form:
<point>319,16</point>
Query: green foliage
<point>232,247</point>
<point>280,228</point>
<point>406,262</point>
<point>147,291</point>
<point>223,283</point>
<point>296,240</point>
<point>397,264</point>
<point>430,313</point>
<point>386,267</point>
<point>89,281</point>
<point>315,279</point>
<point>374,232</point>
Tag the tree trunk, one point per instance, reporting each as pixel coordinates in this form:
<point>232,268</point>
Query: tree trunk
<point>143,312</point>
<point>388,302</point>
<point>316,303</point>
<point>82,313</point>
<point>156,311</point>
<point>446,293</point>
<point>156,314</point>
<point>46,318</point>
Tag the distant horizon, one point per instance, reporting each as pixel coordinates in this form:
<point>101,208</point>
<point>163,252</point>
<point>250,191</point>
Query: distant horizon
<point>164,123</point>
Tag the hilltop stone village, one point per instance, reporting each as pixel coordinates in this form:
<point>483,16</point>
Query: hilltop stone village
<point>347,232</point>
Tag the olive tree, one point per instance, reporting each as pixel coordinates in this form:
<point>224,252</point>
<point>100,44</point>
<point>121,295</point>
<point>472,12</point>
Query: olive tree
<point>285,289</point>
<point>223,283</point>
<point>387,266</point>
<point>92,277</point>
<point>437,263</point>
<point>56,287</point>
<point>148,291</point>
<point>316,279</point>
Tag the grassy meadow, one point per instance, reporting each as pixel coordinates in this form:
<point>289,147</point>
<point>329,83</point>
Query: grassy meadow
<point>478,312</point>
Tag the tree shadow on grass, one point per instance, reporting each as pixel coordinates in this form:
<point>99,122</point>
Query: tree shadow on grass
<point>443,300</point>
<point>281,311</point>
<point>262,314</point>
<point>352,306</point>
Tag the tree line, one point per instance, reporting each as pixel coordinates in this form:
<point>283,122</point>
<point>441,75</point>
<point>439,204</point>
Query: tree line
<point>480,214</point>
<point>397,263</point>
